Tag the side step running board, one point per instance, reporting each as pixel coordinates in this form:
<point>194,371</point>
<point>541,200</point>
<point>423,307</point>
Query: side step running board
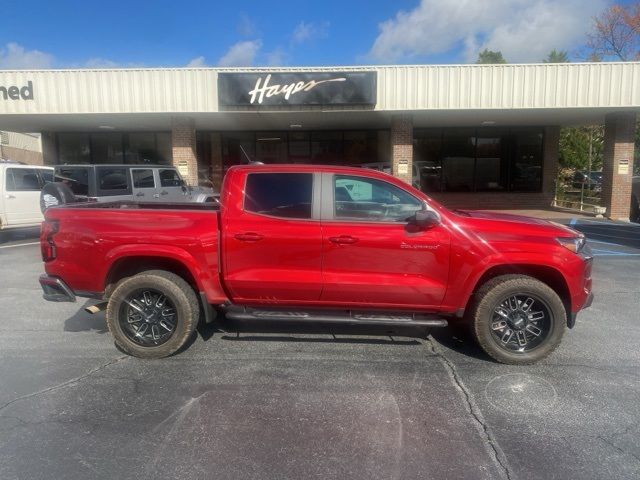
<point>345,316</point>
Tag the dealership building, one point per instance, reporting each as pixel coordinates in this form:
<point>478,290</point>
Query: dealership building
<point>475,136</point>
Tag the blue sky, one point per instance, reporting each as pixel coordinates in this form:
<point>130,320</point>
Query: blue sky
<point>63,34</point>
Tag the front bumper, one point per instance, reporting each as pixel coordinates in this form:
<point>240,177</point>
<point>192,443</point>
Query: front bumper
<point>571,321</point>
<point>55,290</point>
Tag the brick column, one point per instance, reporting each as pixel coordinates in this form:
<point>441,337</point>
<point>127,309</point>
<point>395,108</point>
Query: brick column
<point>617,168</point>
<point>183,140</point>
<point>402,147</point>
<point>550,162</point>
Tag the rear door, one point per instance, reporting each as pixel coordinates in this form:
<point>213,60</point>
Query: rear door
<point>144,185</point>
<point>273,239</point>
<point>22,196</point>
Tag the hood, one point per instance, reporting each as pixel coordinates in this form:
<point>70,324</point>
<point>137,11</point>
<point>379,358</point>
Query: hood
<point>518,221</point>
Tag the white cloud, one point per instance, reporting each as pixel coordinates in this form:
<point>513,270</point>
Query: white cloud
<point>307,31</point>
<point>246,27</point>
<point>523,30</point>
<point>14,56</point>
<point>241,54</point>
<point>197,62</point>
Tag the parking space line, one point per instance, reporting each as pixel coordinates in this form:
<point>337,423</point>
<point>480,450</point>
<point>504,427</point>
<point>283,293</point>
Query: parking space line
<point>19,245</point>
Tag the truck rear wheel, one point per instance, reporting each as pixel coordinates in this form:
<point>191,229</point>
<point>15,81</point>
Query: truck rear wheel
<point>152,314</point>
<point>518,319</point>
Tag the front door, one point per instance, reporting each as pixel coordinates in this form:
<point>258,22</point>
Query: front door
<point>22,196</point>
<point>372,256</point>
<point>272,242</point>
<point>172,188</point>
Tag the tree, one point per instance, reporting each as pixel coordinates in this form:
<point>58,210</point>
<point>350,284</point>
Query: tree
<point>616,33</point>
<point>490,57</point>
<point>557,56</point>
<point>574,147</point>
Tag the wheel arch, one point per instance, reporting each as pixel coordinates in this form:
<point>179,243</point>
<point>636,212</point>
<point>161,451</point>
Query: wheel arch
<point>546,274</point>
<point>129,265</point>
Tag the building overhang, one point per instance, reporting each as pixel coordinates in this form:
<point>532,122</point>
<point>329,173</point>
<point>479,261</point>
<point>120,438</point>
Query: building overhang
<point>437,95</point>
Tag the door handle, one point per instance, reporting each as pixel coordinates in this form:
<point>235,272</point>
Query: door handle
<point>343,240</point>
<point>248,237</point>
<point>139,194</point>
<point>155,195</point>
<point>164,192</point>
<point>10,196</point>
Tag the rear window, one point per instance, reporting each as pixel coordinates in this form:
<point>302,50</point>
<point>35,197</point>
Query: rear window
<point>22,180</point>
<point>286,195</point>
<point>113,181</point>
<point>77,179</point>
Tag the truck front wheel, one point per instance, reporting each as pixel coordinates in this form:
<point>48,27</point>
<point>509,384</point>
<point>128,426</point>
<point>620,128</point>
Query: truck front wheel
<point>152,314</point>
<point>518,319</point>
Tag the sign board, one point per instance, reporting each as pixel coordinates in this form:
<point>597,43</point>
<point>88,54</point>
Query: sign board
<point>296,88</point>
<point>183,168</point>
<point>623,166</point>
<point>403,167</point>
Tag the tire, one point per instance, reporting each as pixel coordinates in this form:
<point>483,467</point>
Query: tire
<point>55,193</point>
<point>125,323</point>
<point>502,294</point>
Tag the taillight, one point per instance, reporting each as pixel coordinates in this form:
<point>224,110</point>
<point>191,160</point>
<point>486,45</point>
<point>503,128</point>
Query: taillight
<point>47,247</point>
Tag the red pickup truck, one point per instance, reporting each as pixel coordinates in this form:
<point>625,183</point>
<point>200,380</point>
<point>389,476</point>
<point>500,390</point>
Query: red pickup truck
<point>323,244</point>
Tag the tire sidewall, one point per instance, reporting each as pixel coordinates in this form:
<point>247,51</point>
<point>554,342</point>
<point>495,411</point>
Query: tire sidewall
<point>184,315</point>
<point>484,317</point>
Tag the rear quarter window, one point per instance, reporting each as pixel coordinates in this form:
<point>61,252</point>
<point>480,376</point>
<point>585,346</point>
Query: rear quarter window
<point>77,179</point>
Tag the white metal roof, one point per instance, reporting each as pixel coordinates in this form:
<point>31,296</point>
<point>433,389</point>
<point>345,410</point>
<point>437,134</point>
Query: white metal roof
<point>569,92</point>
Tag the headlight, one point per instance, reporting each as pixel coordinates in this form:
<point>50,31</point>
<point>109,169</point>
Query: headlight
<point>574,244</point>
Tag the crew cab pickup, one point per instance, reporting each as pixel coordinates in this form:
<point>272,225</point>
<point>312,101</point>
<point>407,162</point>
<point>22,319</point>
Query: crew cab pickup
<point>317,244</point>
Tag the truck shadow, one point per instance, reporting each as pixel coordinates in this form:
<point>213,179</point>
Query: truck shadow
<point>19,234</point>
<point>231,330</point>
<point>82,321</point>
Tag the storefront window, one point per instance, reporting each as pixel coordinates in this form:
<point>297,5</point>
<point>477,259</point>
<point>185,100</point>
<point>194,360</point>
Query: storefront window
<point>427,147</point>
<point>326,148</point>
<point>114,147</point>
<point>106,148</point>
<point>271,147</point>
<point>360,147</point>
<point>526,172</point>
<point>233,144</point>
<point>491,160</point>
<point>478,160</point>
<point>73,148</point>
<point>458,160</point>
<point>299,147</point>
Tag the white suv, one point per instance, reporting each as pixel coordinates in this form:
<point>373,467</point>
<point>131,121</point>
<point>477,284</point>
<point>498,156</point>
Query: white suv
<point>20,187</point>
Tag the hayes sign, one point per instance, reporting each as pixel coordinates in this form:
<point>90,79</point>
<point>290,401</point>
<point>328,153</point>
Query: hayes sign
<point>13,92</point>
<point>296,88</point>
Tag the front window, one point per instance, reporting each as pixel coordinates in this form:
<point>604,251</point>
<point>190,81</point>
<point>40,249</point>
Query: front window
<point>142,178</point>
<point>22,180</point>
<point>361,198</point>
<point>286,195</point>
<point>170,178</point>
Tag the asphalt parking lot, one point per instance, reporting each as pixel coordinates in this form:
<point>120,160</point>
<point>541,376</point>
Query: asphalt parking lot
<point>325,403</point>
